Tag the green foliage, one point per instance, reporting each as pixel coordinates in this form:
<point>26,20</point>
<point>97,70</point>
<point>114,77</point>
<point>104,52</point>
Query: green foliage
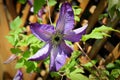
<point>102,16</point>
<point>54,74</point>
<point>71,70</point>
<point>77,10</point>
<point>99,33</point>
<point>68,42</point>
<point>114,70</point>
<point>38,5</point>
<point>90,64</point>
<point>13,37</point>
<point>16,23</point>
<point>18,39</point>
<point>52,2</point>
<point>113,7</point>
<point>20,63</point>
<point>22,1</point>
<point>76,75</point>
<point>15,50</point>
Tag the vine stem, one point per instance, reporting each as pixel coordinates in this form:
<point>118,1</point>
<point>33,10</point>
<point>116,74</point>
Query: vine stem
<point>49,12</point>
<point>88,58</point>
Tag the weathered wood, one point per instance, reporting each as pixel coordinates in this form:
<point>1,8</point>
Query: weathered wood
<point>11,8</point>
<point>94,17</point>
<point>109,46</point>
<point>83,5</point>
<point>18,7</point>
<point>5,47</point>
<point>99,43</point>
<point>25,14</point>
<point>115,54</point>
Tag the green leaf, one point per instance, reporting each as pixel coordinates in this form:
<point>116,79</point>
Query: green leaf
<point>102,16</point>
<point>77,18</point>
<point>113,7</point>
<point>115,73</point>
<point>15,50</point>
<point>52,2</point>
<point>22,1</point>
<point>77,76</point>
<point>110,66</point>
<point>47,60</point>
<point>75,54</point>
<point>93,77</point>
<point>26,54</point>
<point>112,3</point>
<point>117,62</point>
<point>38,5</point>
<point>20,63</point>
<point>90,64</point>
<point>118,6</point>
<point>78,11</point>
<point>30,66</point>
<point>11,39</point>
<point>16,23</point>
<point>78,70</point>
<point>71,64</point>
<point>99,33</point>
<point>54,74</point>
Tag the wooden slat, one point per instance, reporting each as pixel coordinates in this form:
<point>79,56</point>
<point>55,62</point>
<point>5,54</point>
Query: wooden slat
<point>25,14</point>
<point>11,8</point>
<point>115,54</point>
<point>100,43</point>
<point>109,46</point>
<point>4,45</point>
<point>94,17</point>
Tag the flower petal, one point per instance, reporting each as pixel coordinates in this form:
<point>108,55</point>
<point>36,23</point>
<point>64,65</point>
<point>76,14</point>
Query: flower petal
<point>76,34</point>
<point>18,76</point>
<point>41,54</point>
<point>10,59</point>
<point>41,12</point>
<point>66,48</point>
<point>57,58</point>
<point>53,56</point>
<point>42,31</point>
<point>66,19</point>
<point>60,60</point>
<point>30,2</point>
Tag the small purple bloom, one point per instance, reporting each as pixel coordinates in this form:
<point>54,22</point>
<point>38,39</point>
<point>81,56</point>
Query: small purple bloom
<point>31,2</point>
<point>55,38</point>
<point>18,76</point>
<point>40,12</point>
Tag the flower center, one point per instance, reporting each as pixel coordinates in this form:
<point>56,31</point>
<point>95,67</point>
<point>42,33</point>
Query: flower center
<point>56,38</point>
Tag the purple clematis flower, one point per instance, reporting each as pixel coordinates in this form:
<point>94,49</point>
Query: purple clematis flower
<point>55,38</point>
<point>18,76</point>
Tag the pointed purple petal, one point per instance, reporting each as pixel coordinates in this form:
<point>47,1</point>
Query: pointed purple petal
<point>60,60</point>
<point>76,34</point>
<point>53,55</point>
<point>10,59</point>
<point>57,58</point>
<point>41,54</point>
<point>66,19</point>
<point>66,48</point>
<point>30,2</point>
<point>42,31</point>
<point>18,76</point>
<point>41,12</point>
